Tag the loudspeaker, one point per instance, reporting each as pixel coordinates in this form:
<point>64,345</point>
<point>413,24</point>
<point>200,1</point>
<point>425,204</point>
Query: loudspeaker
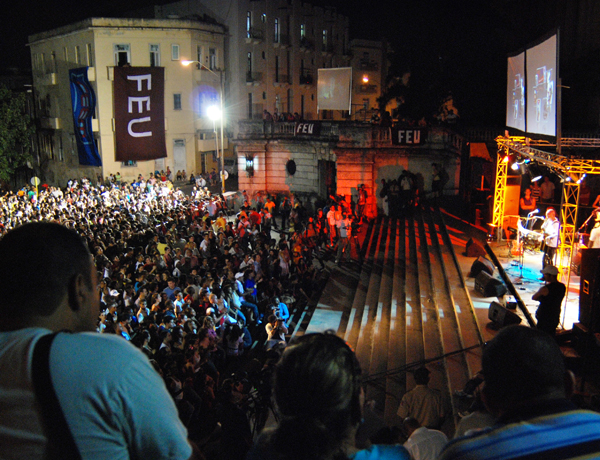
<point>489,286</point>
<point>474,248</point>
<point>589,289</point>
<point>481,264</point>
<point>501,316</point>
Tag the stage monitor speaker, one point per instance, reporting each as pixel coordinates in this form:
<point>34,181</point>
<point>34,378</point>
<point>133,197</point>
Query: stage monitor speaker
<point>481,264</point>
<point>589,289</point>
<point>501,316</point>
<point>489,286</point>
<point>474,248</point>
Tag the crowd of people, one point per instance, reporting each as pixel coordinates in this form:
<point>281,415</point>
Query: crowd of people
<point>192,285</point>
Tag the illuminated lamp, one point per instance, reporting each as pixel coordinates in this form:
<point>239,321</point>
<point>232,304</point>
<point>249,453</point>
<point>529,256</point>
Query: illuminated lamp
<point>365,79</point>
<point>505,159</point>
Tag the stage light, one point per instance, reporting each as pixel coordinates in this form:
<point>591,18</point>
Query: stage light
<point>505,159</point>
<point>514,166</point>
<point>536,178</point>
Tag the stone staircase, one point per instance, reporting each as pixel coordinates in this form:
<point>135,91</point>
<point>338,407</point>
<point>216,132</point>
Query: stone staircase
<point>405,306</point>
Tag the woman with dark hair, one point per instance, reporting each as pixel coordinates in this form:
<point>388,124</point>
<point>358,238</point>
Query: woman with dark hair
<point>318,394</point>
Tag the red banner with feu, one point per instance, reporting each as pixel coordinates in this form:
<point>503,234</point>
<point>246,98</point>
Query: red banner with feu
<point>139,101</point>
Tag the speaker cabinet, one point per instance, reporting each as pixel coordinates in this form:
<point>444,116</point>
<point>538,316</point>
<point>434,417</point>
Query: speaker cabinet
<point>474,248</point>
<point>481,264</point>
<point>489,286</point>
<point>589,289</point>
<point>501,316</point>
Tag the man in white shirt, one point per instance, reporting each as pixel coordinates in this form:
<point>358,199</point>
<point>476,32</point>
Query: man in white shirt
<point>423,443</point>
<point>100,411</point>
<point>551,228</point>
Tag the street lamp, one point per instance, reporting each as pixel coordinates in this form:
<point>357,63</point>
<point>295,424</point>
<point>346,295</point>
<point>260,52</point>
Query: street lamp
<point>215,114</point>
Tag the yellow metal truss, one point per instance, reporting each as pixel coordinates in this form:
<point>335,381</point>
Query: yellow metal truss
<point>499,194</point>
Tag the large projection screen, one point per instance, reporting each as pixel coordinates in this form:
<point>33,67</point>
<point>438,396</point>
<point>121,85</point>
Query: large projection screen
<point>334,89</point>
<point>515,92</point>
<point>542,69</point>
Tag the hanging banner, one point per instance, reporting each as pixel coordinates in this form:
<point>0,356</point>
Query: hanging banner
<point>139,95</point>
<point>83,101</point>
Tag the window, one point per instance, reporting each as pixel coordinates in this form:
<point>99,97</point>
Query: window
<point>175,52</point>
<point>199,55</point>
<point>77,56</point>
<point>90,54</point>
<point>177,101</point>
<point>263,17</point>
<point>129,163</point>
<point>212,56</point>
<point>264,95</point>
<point>154,55</point>
<point>249,69</point>
<point>290,98</point>
<point>122,55</point>
<point>66,54</point>
<point>53,62</point>
<point>302,31</point>
<point>249,24</point>
<point>277,35</point>
<point>277,68</point>
<point>324,38</point>
<point>250,106</point>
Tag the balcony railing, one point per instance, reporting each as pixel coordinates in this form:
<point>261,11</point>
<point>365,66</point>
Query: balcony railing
<point>306,78</point>
<point>255,35</point>
<point>282,80</point>
<point>253,78</point>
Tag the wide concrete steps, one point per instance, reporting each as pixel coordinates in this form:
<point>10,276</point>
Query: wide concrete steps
<point>404,307</point>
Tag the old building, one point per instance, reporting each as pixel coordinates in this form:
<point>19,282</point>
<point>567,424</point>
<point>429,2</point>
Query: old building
<point>99,46</point>
<point>274,48</point>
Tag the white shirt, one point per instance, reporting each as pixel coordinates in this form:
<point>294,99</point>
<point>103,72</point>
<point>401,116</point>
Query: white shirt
<point>595,237</point>
<point>113,400</point>
<point>425,444</point>
<point>550,228</point>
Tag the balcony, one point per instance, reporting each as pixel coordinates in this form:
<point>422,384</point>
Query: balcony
<point>255,36</point>
<point>306,78</point>
<point>253,78</point>
<point>48,79</point>
<point>49,123</point>
<point>306,45</point>
<point>365,64</point>
<point>282,80</point>
<point>327,50</point>
<point>282,41</point>
<point>366,89</point>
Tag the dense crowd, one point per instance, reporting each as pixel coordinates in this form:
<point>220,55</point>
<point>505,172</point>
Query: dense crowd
<point>190,285</point>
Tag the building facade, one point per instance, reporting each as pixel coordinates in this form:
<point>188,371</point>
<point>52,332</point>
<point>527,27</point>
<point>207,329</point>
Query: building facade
<point>273,51</point>
<point>100,45</point>
<point>323,158</point>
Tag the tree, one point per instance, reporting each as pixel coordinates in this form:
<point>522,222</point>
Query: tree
<point>16,131</point>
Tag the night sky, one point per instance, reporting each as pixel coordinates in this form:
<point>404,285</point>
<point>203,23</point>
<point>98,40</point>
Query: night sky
<point>456,47</point>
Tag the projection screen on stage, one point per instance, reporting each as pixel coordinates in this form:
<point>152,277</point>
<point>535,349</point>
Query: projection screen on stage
<point>542,73</point>
<point>334,89</point>
<point>515,92</point>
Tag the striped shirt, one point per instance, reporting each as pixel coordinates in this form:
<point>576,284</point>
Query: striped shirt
<point>553,430</point>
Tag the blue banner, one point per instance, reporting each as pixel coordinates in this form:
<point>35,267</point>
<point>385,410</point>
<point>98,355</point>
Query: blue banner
<point>83,101</point>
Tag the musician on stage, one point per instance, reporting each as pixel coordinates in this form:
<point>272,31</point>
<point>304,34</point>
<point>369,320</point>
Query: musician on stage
<point>595,233</point>
<point>550,227</point>
<point>526,204</point>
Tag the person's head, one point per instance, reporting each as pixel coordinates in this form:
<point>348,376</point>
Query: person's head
<point>421,376</point>
<point>527,192</point>
<point>522,365</point>
<point>550,273</point>
<point>54,266</point>
<point>410,424</point>
<point>317,389</point>
<point>551,213</point>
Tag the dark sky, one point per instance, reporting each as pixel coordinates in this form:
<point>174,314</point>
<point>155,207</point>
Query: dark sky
<point>458,46</point>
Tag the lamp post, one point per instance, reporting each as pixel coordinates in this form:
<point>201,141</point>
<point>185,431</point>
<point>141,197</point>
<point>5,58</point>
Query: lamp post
<point>214,116</point>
